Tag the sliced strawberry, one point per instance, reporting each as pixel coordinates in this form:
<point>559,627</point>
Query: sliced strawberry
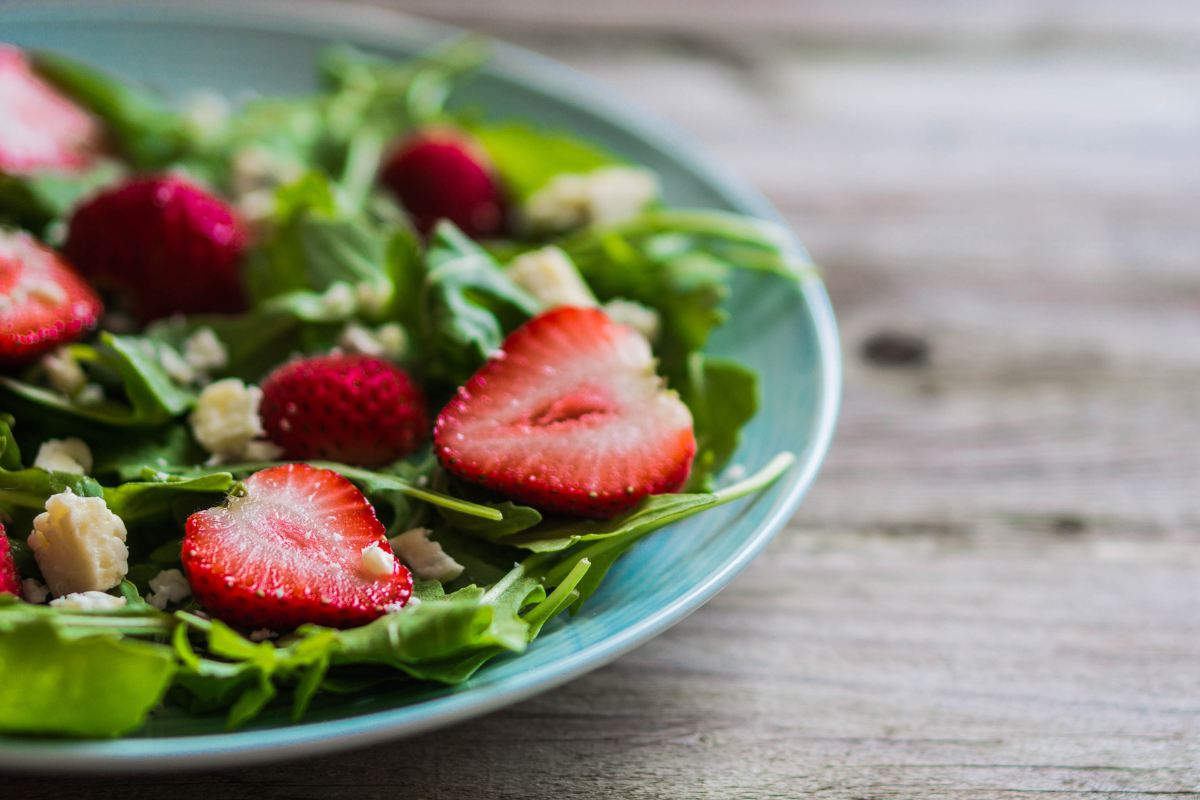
<point>10,579</point>
<point>290,551</point>
<point>43,302</point>
<point>39,128</point>
<point>440,173</point>
<point>169,245</point>
<point>351,408</point>
<point>572,419</point>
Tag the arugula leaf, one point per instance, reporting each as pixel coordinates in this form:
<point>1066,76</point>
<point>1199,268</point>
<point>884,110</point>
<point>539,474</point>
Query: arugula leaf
<point>468,305</point>
<point>34,201</point>
<point>722,396</point>
<point>516,518</point>
<point>527,158</point>
<point>138,503</point>
<point>30,488</point>
<point>256,342</point>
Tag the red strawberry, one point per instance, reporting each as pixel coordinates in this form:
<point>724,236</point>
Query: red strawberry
<point>40,128</point>
<point>170,245</point>
<point>289,551</point>
<point>441,173</point>
<point>43,302</point>
<point>572,419</point>
<point>10,579</point>
<point>354,409</point>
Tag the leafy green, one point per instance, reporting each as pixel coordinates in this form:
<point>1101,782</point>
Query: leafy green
<point>527,158</point>
<point>468,305</point>
<point>34,201</point>
<point>516,518</point>
<point>30,488</point>
<point>152,500</point>
<point>722,396</point>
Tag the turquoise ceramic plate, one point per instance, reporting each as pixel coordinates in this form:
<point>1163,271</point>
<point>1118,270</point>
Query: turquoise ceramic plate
<point>788,335</point>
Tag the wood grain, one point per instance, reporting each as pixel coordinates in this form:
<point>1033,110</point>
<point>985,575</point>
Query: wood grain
<point>991,592</point>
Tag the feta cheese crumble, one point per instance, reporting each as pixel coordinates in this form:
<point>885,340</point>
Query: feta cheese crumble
<point>225,421</point>
<point>550,276</point>
<point>64,372</point>
<point>34,591</point>
<point>64,455</point>
<point>204,351</point>
<point>424,557</point>
<point>377,562</point>
<point>389,341</point>
<point>79,544</point>
<point>372,298</point>
<point>604,196</point>
<point>177,369</point>
<point>168,586</point>
<point>643,320</point>
<point>89,601</point>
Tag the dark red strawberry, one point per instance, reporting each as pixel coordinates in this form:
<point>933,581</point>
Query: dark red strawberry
<point>39,128</point>
<point>440,173</point>
<point>10,579</point>
<point>571,419</point>
<point>43,302</point>
<point>290,550</point>
<point>353,409</point>
<point>169,245</point>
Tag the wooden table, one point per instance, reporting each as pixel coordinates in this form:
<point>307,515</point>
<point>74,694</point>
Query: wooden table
<point>992,590</point>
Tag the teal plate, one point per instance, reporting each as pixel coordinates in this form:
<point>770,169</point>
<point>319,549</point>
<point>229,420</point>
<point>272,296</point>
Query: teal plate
<point>788,335</point>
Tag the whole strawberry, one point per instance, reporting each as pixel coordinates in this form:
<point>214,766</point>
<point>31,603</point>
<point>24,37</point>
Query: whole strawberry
<point>571,419</point>
<point>10,579</point>
<point>167,244</point>
<point>441,173</point>
<point>350,408</point>
<point>43,302</point>
<point>39,128</point>
<point>297,545</point>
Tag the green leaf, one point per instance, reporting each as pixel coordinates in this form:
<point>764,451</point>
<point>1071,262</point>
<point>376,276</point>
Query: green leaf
<point>722,396</point>
<point>527,157</point>
<point>468,306</point>
<point>99,685</point>
<point>152,501</point>
<point>30,488</point>
<point>516,518</point>
<point>34,201</point>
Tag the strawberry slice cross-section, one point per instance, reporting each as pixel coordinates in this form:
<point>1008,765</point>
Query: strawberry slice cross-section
<point>569,418</point>
<point>40,128</point>
<point>299,545</point>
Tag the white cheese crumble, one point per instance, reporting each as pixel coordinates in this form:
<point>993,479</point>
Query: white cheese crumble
<point>389,341</point>
<point>90,395</point>
<point>262,450</point>
<point>643,320</point>
<point>377,562</point>
<point>64,372</point>
<point>64,455</point>
<point>34,591</point>
<point>168,586</point>
<point>79,544</point>
<point>550,276</point>
<point>603,196</point>
<point>174,365</point>
<point>89,601</point>
<point>372,298</point>
<point>424,557</point>
<point>226,420</point>
<point>204,351</point>
<point>338,301</point>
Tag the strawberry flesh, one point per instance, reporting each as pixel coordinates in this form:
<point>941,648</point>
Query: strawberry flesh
<point>441,174</point>
<point>289,551</point>
<point>43,302</point>
<point>571,419</point>
<point>10,579</point>
<point>168,245</point>
<point>39,128</point>
<point>351,408</point>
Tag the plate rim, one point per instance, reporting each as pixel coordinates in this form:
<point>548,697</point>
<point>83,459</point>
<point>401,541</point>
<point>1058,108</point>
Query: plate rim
<point>366,24</point>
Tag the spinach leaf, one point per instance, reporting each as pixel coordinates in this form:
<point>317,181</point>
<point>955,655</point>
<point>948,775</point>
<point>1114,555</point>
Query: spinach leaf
<point>527,157</point>
<point>138,503</point>
<point>722,396</point>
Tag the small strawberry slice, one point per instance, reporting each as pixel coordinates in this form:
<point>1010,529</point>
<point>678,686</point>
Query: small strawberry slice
<point>167,244</point>
<point>10,579</point>
<point>572,419</point>
<point>350,408</point>
<point>39,128</point>
<point>43,302</point>
<point>441,173</point>
<point>290,550</point>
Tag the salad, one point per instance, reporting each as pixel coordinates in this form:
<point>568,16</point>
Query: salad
<point>307,394</point>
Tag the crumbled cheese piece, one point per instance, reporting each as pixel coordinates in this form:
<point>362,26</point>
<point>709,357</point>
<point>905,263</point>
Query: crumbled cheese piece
<point>393,339</point>
<point>64,372</point>
<point>372,298</point>
<point>255,168</point>
<point>168,586</point>
<point>262,450</point>
<point>64,455</point>
<point>90,395</point>
<point>389,341</point>
<point>603,196</point>
<point>424,557</point>
<point>79,544</point>
<point>207,114</point>
<point>34,591</point>
<point>174,365</point>
<point>643,320</point>
<point>338,300</point>
<point>89,601</point>
<point>377,562</point>
<point>226,417</point>
<point>262,634</point>
<point>550,276</point>
<point>257,207</point>
<point>204,351</point>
